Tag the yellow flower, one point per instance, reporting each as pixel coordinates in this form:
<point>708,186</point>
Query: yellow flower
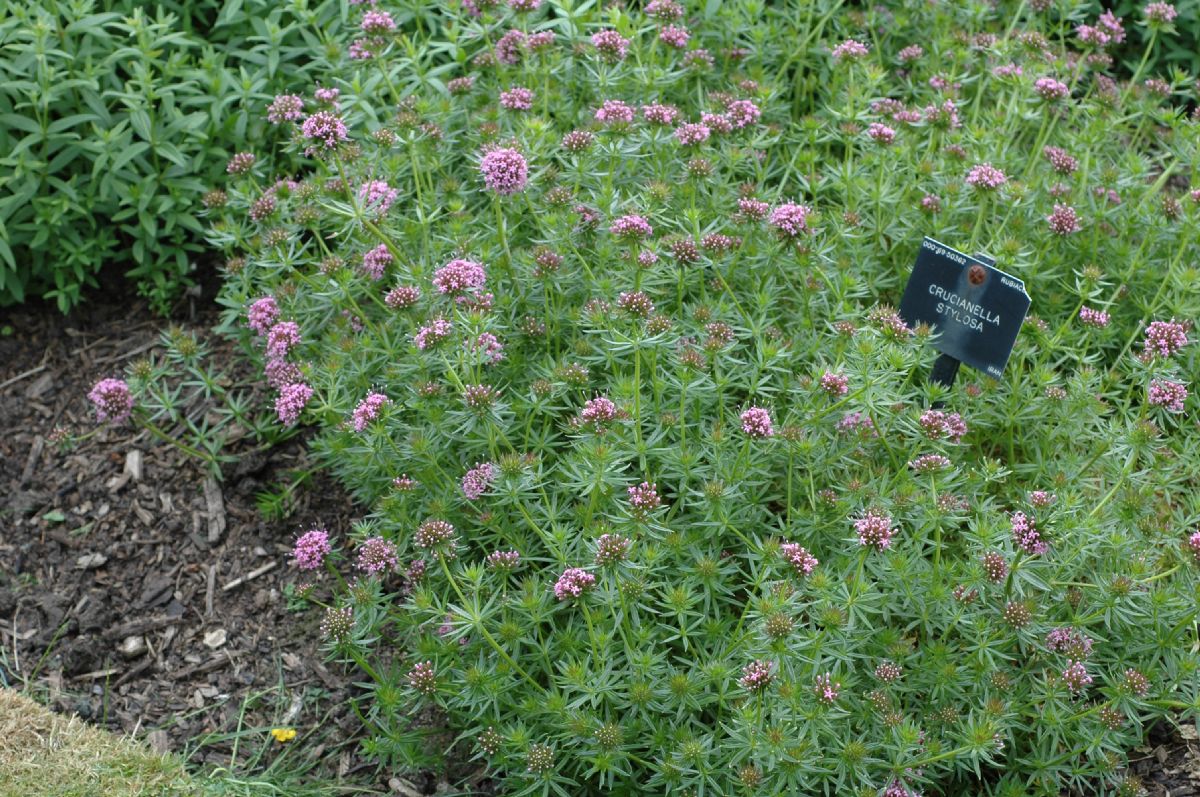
<point>283,734</point>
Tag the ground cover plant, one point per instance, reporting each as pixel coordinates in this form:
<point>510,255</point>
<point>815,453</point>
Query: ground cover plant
<point>593,309</point>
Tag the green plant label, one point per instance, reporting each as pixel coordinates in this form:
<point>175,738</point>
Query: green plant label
<point>976,309</point>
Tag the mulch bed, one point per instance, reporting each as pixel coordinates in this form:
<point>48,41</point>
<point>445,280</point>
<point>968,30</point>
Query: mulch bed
<point>132,592</point>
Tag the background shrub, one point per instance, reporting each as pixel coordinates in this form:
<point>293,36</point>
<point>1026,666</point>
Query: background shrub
<point>115,116</point>
<point>657,501</point>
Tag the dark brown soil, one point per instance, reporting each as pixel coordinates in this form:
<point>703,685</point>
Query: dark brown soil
<point>114,604</point>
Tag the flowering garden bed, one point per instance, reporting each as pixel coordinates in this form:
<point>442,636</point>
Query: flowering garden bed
<point>591,309</point>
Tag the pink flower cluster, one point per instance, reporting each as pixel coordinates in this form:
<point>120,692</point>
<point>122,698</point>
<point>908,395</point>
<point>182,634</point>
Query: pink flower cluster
<point>487,347</point>
<point>291,402</point>
<point>850,50</point>
<point>1164,338</point>
<point>285,108</point>
<point>262,315</point>
<point>615,113</point>
<point>1076,677</point>
<point>112,400</point>
<point>799,558</point>
<point>573,582</point>
<point>611,549</point>
<point>1064,220</point>
<point>1093,318</point>
<point>1050,89</point>
<point>1160,13</point>
<point>790,219</point>
<point>377,195</point>
<point>432,334</point>
<point>503,561</point>
<point>928,463</point>
<point>517,98</point>
<point>643,499</point>
<point>311,549</point>
<point>1167,394</point>
<point>660,114</point>
<point>1070,641</point>
<point>375,261</point>
<point>422,678</point>
<point>756,422</point>
<point>834,384</point>
<point>376,555</point>
<point>875,530</point>
<point>282,338</point>
<point>611,45</point>
<point>986,177</point>
<point>937,425</point>
<point>881,133</point>
<point>632,226</point>
<point>459,277</point>
<point>692,134</point>
<point>324,129</point>
<point>368,410</point>
<point>477,480</point>
<point>674,36</point>
<point>598,412</point>
<point>435,535</point>
<point>994,567</point>
<point>757,676</point>
<point>504,171</point>
<point>826,689</point>
<point>1026,535</point>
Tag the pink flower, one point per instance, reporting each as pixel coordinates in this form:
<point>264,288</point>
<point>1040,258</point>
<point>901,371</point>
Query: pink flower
<point>1076,676</point>
<point>240,163</point>
<point>524,6</point>
<point>614,113</point>
<point>611,549</point>
<point>262,315</point>
<point>327,96</point>
<point>937,425</point>
<point>282,338</point>
<point>432,334</point>
<point>422,678</point>
<point>459,277</point>
<point>517,99</point>
<point>112,400</point>
<point>881,133</point>
<point>875,530</point>
<point>291,402</point>
<point>377,23</point>
<point>644,499</point>
<point>850,50</point>
<point>636,303</point>
<point>674,36</point>
<point>1093,318</point>
<point>437,536</point>
<point>799,558</point>
<point>742,113</point>
<point>756,422</point>
<point>402,296</point>
<point>1070,641</point>
<point>757,676</point>
<point>461,85</point>
<point>510,48</point>
<point>692,134</point>
<point>911,53</point>
<point>578,141</point>
<point>573,582</point>
<point>753,209</point>
<point>986,177</point>
<point>1167,394</point>
<point>994,567</point>
<point>1164,338</point>
<point>505,171</point>
<point>928,463</point>
<point>280,373</point>
<point>285,108</point>
<point>375,261</point>
<point>477,480</point>
<point>665,10</point>
<point>1060,160</point>
<point>487,347</point>
<point>834,384</point>
<point>1026,535</point>
<point>1050,89</point>
<point>311,549</point>
<point>632,226</point>
<point>598,412</point>
<point>931,204</point>
<point>325,129</point>
<point>1160,13</point>
<point>1064,220</point>
<point>1193,545</point>
<point>790,219</point>
<point>826,689</point>
<point>611,46</point>
<point>660,114</point>
<point>368,410</point>
<point>377,195</point>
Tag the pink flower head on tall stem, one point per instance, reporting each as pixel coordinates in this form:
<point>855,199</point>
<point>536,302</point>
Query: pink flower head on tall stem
<point>504,171</point>
<point>112,400</point>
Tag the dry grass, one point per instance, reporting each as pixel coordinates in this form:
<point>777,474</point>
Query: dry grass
<point>43,754</point>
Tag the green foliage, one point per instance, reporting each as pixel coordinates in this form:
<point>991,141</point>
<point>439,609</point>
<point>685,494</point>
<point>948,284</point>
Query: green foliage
<point>116,117</point>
